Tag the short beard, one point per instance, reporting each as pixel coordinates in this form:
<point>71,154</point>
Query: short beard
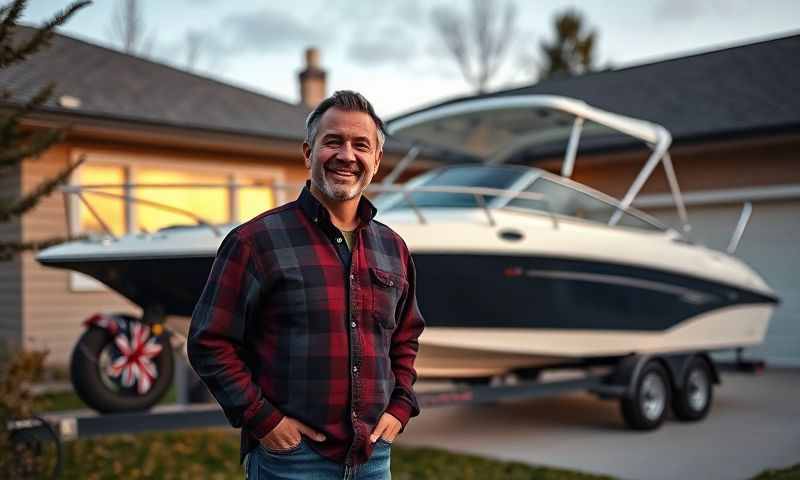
<point>336,192</point>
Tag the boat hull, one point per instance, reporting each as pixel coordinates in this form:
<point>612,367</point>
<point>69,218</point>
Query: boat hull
<point>489,314</point>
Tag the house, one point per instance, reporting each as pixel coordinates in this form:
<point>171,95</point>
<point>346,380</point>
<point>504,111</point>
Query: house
<point>734,115</point>
<point>138,122</point>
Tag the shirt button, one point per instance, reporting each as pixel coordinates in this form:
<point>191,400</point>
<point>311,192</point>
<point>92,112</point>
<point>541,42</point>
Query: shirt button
<point>352,276</point>
<point>355,415</point>
<point>316,219</point>
<point>338,239</point>
<point>355,369</point>
<point>353,324</point>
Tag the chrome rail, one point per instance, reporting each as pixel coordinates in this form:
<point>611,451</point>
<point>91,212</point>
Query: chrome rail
<point>479,193</point>
<point>744,218</point>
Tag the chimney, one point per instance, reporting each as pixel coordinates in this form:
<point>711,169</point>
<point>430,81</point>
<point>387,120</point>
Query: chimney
<point>312,80</point>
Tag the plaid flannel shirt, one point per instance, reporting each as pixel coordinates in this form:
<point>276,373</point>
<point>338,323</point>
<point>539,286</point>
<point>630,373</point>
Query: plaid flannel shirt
<point>293,323</point>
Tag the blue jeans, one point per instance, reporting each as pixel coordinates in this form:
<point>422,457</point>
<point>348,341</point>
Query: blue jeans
<point>303,463</point>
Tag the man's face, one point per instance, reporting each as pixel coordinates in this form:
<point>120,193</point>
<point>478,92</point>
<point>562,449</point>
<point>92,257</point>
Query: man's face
<point>345,154</point>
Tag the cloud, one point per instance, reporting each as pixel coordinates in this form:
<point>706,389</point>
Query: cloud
<point>683,10</point>
<point>392,44</point>
<point>267,30</point>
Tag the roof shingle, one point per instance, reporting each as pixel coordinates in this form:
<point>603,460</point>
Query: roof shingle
<point>116,85</point>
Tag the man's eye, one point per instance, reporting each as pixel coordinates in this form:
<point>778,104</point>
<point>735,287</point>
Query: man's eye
<point>363,146</point>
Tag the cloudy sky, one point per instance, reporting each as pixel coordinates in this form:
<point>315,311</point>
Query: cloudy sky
<point>390,50</point>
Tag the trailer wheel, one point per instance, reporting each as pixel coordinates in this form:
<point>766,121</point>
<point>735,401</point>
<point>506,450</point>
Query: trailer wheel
<point>646,409</point>
<point>692,398</point>
<point>129,371</point>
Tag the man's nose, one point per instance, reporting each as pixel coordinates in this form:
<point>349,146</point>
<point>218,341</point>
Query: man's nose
<point>346,152</point>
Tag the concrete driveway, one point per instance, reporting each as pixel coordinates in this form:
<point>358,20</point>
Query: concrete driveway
<point>754,424</point>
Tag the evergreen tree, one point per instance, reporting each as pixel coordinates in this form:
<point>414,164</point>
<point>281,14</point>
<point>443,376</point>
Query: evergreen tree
<point>572,50</point>
<point>17,144</point>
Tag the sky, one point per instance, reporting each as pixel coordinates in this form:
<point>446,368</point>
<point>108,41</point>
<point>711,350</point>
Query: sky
<point>390,50</point>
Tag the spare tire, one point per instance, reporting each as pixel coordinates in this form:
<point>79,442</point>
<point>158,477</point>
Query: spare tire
<point>123,372</point>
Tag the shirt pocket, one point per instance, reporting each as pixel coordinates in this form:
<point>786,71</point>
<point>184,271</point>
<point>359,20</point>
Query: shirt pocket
<point>387,289</point>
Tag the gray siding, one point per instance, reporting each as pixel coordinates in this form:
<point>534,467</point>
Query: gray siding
<point>771,245</point>
<point>10,271</point>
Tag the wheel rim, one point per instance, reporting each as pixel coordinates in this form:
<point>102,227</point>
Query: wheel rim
<point>697,389</point>
<point>653,396</point>
<point>127,363</point>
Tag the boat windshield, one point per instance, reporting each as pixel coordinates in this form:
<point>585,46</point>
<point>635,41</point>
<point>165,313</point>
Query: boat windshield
<point>566,200</point>
<point>499,177</point>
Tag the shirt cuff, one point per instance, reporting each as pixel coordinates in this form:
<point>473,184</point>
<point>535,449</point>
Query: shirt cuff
<point>400,410</point>
<point>264,420</point>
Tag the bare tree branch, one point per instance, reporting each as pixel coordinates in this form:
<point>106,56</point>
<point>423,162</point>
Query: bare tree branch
<point>194,44</point>
<point>477,45</point>
<point>127,26</point>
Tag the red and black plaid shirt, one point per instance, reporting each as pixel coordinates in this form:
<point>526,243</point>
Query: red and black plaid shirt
<point>291,323</point>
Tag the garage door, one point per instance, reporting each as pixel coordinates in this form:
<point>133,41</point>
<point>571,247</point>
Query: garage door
<point>771,245</point>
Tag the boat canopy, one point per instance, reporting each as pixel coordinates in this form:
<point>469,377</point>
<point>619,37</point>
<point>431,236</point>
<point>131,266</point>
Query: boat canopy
<point>513,128</point>
<point>494,129</point>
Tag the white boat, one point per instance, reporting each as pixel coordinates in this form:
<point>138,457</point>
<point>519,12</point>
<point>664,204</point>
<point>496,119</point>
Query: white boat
<point>517,268</point>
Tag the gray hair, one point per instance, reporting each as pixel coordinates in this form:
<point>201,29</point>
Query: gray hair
<point>347,100</point>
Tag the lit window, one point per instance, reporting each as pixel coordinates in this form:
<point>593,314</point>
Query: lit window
<point>111,210</point>
<point>210,204</point>
<point>254,200</point>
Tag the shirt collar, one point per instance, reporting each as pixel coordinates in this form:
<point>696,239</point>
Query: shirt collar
<point>317,211</point>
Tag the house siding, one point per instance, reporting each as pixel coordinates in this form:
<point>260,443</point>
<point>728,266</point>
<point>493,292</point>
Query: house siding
<point>52,313</point>
<point>10,271</point>
<point>710,166</point>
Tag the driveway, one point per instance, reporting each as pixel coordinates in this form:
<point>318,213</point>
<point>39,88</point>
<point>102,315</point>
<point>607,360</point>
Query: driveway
<point>754,424</point>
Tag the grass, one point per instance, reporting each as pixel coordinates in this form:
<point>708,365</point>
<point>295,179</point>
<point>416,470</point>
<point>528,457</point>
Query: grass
<point>214,454</point>
<point>60,401</point>
<point>789,473</point>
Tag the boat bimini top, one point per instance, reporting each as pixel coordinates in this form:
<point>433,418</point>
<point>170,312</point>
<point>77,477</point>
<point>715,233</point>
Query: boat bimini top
<point>504,129</point>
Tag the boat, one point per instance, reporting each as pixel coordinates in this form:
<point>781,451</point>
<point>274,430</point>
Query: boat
<point>567,274</point>
<point>518,268</point>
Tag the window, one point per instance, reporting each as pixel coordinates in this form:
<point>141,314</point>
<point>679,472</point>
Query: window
<point>255,199</point>
<point>110,209</point>
<point>563,200</point>
<point>210,204</point>
<point>220,204</point>
<point>478,176</point>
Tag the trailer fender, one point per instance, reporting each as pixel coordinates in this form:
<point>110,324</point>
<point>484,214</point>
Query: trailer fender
<point>628,369</point>
<point>105,321</point>
<point>114,322</point>
<point>626,374</point>
<point>679,363</point>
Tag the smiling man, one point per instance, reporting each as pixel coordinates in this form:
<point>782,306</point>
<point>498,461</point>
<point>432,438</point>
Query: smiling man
<point>306,332</point>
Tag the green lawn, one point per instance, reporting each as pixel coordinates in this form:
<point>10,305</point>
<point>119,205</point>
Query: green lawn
<point>214,454</point>
<point>55,402</point>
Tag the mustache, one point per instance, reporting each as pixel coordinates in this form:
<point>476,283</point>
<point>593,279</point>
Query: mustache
<point>345,167</point>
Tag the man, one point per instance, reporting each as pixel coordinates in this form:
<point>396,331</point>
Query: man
<point>306,332</point>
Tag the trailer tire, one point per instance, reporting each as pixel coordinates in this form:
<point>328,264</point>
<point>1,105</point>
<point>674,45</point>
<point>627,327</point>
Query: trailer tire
<point>108,395</point>
<point>647,407</point>
<point>691,399</point>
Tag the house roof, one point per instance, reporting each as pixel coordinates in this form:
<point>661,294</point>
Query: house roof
<point>747,89</point>
<point>116,85</point>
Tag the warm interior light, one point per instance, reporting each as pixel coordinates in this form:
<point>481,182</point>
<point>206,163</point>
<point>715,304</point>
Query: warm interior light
<point>111,210</point>
<point>211,204</point>
<point>253,201</point>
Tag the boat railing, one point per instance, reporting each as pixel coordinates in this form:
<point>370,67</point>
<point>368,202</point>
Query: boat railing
<point>480,195</point>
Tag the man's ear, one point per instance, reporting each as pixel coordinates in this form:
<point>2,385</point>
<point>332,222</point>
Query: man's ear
<point>378,159</point>
<point>307,154</point>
